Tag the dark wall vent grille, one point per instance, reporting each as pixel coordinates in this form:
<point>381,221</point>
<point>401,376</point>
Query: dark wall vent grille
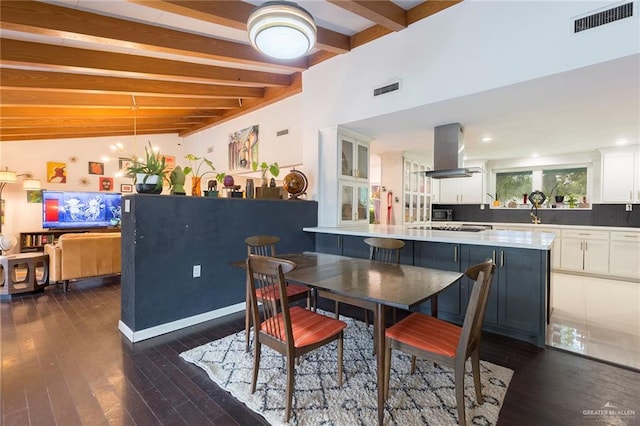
<point>282,132</point>
<point>386,89</point>
<point>604,17</point>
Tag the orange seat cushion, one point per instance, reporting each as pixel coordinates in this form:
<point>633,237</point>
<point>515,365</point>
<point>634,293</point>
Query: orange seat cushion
<point>272,292</point>
<point>308,327</point>
<point>426,333</point>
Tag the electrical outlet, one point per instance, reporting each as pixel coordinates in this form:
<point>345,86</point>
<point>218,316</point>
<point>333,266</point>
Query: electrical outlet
<point>628,207</point>
<point>481,206</point>
<point>196,271</point>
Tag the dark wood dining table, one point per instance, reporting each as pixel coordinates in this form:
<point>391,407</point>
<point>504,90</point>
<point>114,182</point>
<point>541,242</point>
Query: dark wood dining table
<point>371,285</point>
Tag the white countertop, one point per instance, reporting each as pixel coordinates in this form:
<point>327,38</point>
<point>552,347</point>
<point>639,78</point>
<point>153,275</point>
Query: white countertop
<point>517,239</point>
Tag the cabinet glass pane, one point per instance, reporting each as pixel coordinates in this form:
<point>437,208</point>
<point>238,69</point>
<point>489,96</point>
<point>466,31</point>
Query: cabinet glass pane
<point>347,158</point>
<point>347,203</point>
<point>415,208</point>
<point>422,179</point>
<point>407,208</point>
<point>407,175</point>
<point>414,177</point>
<point>363,202</point>
<point>363,162</point>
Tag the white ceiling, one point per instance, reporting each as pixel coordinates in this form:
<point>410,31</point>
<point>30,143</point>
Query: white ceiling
<point>575,111</point>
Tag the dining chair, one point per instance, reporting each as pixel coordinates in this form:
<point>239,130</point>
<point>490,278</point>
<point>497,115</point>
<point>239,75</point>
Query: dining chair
<point>385,250</point>
<point>265,245</point>
<point>290,330</point>
<point>447,344</point>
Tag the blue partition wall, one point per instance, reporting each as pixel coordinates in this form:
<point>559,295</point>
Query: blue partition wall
<point>163,237</point>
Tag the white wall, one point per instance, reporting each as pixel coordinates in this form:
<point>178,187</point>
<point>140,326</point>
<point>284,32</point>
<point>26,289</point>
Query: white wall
<point>285,150</point>
<point>32,157</point>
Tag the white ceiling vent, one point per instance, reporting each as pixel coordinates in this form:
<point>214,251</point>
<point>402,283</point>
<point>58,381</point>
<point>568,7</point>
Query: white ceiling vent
<point>386,89</point>
<point>603,17</point>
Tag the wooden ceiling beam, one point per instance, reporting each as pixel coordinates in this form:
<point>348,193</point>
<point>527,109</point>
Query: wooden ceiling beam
<point>64,133</point>
<point>14,52</point>
<point>381,12</point>
<point>35,98</point>
<point>67,82</point>
<point>51,122</point>
<point>234,14</point>
<point>428,8</point>
<point>50,20</point>
<point>88,113</point>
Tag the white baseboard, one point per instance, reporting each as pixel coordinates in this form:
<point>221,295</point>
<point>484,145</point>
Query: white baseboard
<point>147,333</point>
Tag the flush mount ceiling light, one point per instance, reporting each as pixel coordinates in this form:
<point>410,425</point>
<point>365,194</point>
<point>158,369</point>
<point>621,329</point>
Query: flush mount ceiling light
<point>282,30</point>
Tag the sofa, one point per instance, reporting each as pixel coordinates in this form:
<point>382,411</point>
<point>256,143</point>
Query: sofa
<point>83,255</point>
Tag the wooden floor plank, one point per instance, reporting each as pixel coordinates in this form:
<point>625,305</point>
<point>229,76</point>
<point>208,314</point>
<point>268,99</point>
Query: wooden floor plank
<point>66,363</point>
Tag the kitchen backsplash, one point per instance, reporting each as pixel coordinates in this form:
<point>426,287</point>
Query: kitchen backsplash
<point>598,215</point>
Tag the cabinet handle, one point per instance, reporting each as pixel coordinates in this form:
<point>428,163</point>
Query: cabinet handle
<point>586,245</point>
<point>583,233</point>
<point>630,236</point>
<point>501,258</point>
<point>581,243</point>
<point>494,257</point>
<point>340,241</point>
<point>455,254</point>
<point>460,198</point>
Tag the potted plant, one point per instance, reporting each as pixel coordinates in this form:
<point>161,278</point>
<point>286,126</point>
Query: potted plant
<point>149,173</point>
<point>272,168</point>
<point>200,166</point>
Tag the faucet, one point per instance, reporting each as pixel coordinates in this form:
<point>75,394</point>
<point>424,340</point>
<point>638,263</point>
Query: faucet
<point>534,215</point>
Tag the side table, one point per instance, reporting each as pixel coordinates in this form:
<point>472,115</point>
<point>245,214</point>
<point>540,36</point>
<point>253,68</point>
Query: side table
<point>24,272</point>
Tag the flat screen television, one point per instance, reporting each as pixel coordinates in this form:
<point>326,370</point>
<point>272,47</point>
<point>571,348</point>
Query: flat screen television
<point>75,209</point>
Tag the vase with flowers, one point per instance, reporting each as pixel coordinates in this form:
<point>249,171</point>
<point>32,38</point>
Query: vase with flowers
<point>200,167</point>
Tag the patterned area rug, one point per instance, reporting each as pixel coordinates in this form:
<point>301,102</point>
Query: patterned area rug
<point>427,397</point>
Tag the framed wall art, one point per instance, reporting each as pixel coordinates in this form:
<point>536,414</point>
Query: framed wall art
<point>243,148</point>
<point>96,168</point>
<point>126,187</point>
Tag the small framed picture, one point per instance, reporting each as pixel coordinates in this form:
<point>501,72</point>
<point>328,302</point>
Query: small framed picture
<point>96,168</point>
<point>126,187</point>
<point>106,184</point>
<point>123,164</point>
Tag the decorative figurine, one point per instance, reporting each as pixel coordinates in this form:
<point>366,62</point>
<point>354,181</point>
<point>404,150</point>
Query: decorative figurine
<point>177,178</point>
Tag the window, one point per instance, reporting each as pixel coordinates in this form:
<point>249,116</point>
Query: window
<point>512,185</point>
<point>565,182</point>
<point>569,184</point>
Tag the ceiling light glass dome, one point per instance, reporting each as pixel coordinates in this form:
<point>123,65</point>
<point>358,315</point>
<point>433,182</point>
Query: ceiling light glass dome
<point>282,30</point>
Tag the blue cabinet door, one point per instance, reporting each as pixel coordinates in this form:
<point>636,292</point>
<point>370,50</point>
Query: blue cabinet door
<point>442,256</point>
<point>521,290</point>
<point>353,246</point>
<point>329,243</point>
<point>472,255</point>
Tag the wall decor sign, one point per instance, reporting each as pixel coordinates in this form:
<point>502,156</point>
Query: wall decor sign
<point>123,164</point>
<point>243,148</point>
<point>56,172</point>
<point>34,195</point>
<point>126,187</point>
<point>106,184</point>
<point>170,162</point>
<point>96,168</point>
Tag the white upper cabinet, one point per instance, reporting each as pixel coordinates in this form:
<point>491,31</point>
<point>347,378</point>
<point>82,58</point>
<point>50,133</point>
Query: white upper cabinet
<point>466,190</point>
<point>621,175</point>
<point>354,158</point>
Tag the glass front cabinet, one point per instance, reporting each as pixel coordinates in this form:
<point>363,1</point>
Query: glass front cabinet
<point>353,179</point>
<point>416,192</point>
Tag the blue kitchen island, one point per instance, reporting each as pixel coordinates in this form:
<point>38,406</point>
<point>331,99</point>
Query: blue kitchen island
<point>518,304</point>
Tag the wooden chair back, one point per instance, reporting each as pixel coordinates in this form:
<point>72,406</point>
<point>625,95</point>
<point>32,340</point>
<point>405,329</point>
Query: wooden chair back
<point>266,277</point>
<point>482,274</point>
<point>261,245</point>
<point>385,250</point>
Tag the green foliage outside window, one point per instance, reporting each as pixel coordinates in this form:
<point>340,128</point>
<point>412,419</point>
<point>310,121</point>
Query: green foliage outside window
<point>512,185</point>
<point>565,182</point>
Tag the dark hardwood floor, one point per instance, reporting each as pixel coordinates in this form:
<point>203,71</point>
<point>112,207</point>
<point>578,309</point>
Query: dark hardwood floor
<point>64,362</point>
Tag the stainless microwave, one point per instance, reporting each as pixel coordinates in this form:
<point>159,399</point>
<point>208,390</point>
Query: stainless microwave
<point>442,215</point>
